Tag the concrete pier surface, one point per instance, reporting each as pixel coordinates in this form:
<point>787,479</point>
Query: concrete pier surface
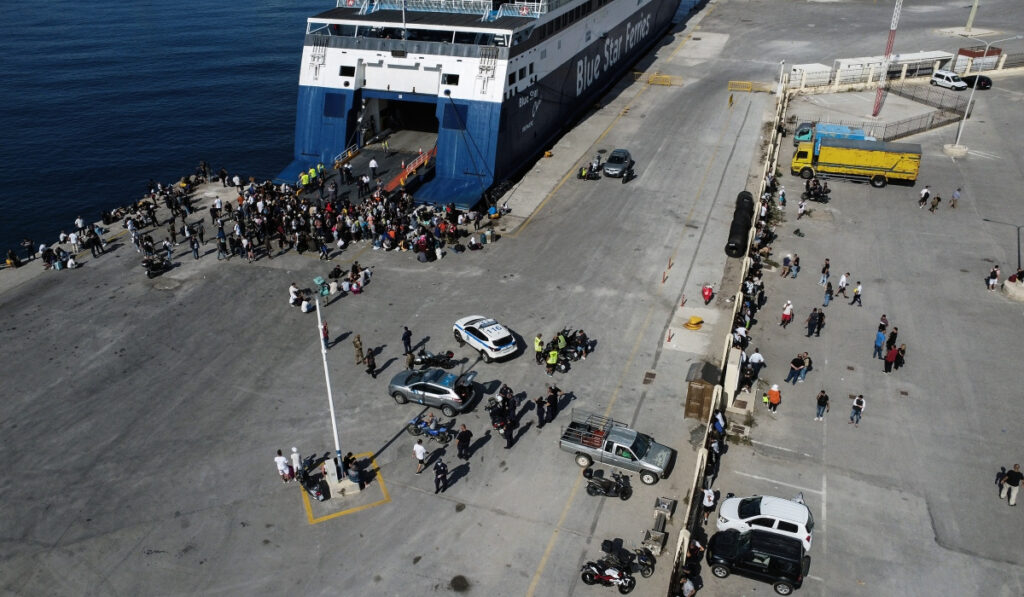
<point>141,417</point>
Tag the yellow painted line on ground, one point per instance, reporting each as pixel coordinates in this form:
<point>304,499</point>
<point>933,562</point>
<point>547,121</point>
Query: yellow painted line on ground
<point>579,479</point>
<point>572,170</point>
<point>680,46</point>
<point>383,488</point>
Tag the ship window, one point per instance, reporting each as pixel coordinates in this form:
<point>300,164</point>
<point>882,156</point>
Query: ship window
<point>522,73</point>
<point>543,54</point>
<point>531,68</point>
<point>334,105</point>
<point>347,71</point>
<point>447,79</point>
<point>512,79</point>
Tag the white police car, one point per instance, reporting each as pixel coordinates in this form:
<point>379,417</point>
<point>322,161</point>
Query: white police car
<point>484,335</point>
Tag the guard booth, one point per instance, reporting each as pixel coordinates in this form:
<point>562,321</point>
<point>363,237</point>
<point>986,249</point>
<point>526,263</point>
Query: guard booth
<point>700,391</point>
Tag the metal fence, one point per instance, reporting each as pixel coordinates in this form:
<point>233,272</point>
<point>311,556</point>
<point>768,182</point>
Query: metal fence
<point>1013,60</point>
<point>936,97</point>
<point>890,131</point>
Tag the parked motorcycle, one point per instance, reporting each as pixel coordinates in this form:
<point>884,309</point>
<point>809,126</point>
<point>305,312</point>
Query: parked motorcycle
<point>315,487</point>
<point>155,265</point>
<point>640,560</point>
<point>597,484</point>
<point>601,572</point>
<point>432,428</point>
<point>588,173</point>
<point>444,360</point>
<point>498,407</point>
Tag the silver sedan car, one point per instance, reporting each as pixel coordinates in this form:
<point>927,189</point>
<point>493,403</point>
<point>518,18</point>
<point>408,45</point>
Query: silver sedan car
<point>434,387</point>
<point>618,162</point>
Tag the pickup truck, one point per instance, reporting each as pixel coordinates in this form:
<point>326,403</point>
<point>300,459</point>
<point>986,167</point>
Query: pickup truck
<point>593,438</point>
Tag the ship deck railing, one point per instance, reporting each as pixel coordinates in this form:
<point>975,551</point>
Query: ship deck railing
<point>470,7</point>
<point>431,48</point>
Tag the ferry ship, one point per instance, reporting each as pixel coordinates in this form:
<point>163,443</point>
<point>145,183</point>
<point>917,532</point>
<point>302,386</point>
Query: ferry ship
<point>485,85</point>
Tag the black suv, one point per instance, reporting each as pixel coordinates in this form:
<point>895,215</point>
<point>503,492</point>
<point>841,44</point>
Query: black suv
<point>770,557</point>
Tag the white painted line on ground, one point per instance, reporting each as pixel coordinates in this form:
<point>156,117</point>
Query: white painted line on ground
<point>760,478</point>
<point>817,578</point>
<point>804,454</point>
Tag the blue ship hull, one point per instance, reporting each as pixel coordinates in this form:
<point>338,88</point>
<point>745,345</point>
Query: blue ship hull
<point>478,143</point>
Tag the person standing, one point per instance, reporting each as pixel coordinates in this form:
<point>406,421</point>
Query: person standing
<point>774,398</point>
<point>554,393</point>
<point>462,439</point>
<point>325,336</point>
<point>786,261</point>
<point>879,342</point>
<point>756,362</point>
<point>357,343</point>
<point>440,476</point>
<point>787,314</point>
<point>709,504</point>
<point>410,361</point>
<point>856,294</point>
<point>407,340</point>
<point>828,294</point>
<point>859,403</point>
<point>891,342</point>
<point>1011,484</point>
<point>890,359</point>
<point>282,467</point>
<point>419,452</point>
<point>954,198</point>
<point>823,406</point>
<point>844,281</point>
<point>812,322</point>
<point>824,273</point>
<point>538,348</point>
<point>539,402</point>
<point>796,265</point>
<point>511,422</point>
<point>296,460</point>
<point>901,355</point>
<point>371,364</point>
<point>373,167</point>
<point>795,366</point>
<point>801,208</point>
<point>925,194</point>
<point>194,243</point>
<point>807,366</point>
<point>993,278</point>
<point>935,204</point>
<point>552,361</point>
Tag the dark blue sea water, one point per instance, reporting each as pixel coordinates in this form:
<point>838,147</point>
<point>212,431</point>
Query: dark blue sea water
<point>98,97</point>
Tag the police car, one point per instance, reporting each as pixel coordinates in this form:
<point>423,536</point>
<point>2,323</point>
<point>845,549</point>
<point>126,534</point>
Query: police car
<point>484,335</point>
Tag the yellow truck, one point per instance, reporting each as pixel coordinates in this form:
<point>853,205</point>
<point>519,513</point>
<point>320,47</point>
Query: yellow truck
<point>875,161</point>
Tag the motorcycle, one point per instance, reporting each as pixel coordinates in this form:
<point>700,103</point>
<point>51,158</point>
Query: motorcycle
<point>597,484</point>
<point>601,572</point>
<point>577,344</point>
<point>640,560</point>
<point>155,265</point>
<point>433,429</point>
<point>444,360</point>
<point>498,407</point>
<point>316,488</point>
<point>588,173</point>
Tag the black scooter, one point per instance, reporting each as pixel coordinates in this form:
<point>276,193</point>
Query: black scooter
<point>640,560</point>
<point>316,488</point>
<point>156,265</point>
<point>618,486</point>
<point>444,360</point>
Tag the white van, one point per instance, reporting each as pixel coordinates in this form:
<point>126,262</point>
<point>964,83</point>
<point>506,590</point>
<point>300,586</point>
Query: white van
<point>767,513</point>
<point>948,79</point>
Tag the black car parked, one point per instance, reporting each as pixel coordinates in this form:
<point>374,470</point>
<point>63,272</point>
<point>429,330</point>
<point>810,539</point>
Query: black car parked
<point>770,557</point>
<point>983,82</point>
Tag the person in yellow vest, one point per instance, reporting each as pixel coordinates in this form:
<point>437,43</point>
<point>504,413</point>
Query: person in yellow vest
<point>552,361</point>
<point>312,175</point>
<point>320,169</point>
<point>304,180</point>
<point>538,347</point>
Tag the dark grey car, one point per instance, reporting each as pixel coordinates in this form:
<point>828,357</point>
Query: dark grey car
<point>618,162</point>
<point>434,387</point>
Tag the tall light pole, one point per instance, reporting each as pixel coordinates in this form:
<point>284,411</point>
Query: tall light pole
<point>330,396</point>
<point>1018,235</point>
<point>970,100</point>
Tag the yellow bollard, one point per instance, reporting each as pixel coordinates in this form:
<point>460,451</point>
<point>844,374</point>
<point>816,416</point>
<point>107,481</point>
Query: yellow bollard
<point>730,100</point>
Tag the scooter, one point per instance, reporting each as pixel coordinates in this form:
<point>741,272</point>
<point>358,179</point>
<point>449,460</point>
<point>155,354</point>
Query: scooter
<point>601,572</point>
<point>155,265</point>
<point>597,484</point>
<point>434,430</point>
<point>444,360</point>
<point>640,560</point>
<point>316,488</point>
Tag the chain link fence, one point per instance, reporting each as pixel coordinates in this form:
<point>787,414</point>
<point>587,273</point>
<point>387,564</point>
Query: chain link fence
<point>930,95</point>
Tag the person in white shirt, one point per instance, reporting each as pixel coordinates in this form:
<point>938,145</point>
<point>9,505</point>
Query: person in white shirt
<point>293,295</point>
<point>708,503</point>
<point>282,467</point>
<point>419,451</point>
<point>756,361</point>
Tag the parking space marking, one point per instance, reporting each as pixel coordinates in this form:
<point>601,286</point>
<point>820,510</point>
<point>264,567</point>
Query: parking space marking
<point>760,478</point>
<point>774,447</point>
<point>383,488</point>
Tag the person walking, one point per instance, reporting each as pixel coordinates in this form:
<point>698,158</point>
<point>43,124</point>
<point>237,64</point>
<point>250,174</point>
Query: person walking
<point>801,208</point>
<point>925,194</point>
<point>462,439</point>
<point>539,402</point>
<point>935,204</point>
<point>856,295</point>
<point>857,410</point>
<point>890,359</point>
<point>440,476</point>
<point>296,460</point>
<point>824,273</point>
<point>844,281</point>
<point>786,262</point>
<point>419,452</point>
<point>993,278</point>
<point>283,468</point>
<point>325,336</point>
<point>709,504</point>
<point>954,198</point>
<point>823,406</point>
<point>407,340</point>
<point>812,322</point>
<point>538,348</point>
<point>194,243</point>
<point>820,325</point>
<point>371,364</point>
<point>787,314</point>
<point>357,343</point>
<point>774,398</point>
<point>828,294</point>
<point>879,342</point>
<point>756,362</point>
<point>1011,484</point>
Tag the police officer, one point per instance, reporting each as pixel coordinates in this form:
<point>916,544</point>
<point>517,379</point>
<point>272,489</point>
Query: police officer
<point>510,427</point>
<point>554,393</point>
<point>440,476</point>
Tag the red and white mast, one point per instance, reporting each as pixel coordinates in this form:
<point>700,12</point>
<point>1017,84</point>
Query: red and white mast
<point>885,62</point>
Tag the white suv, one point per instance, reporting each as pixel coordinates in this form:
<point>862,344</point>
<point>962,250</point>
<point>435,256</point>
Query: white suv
<point>949,79</point>
<point>766,513</point>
